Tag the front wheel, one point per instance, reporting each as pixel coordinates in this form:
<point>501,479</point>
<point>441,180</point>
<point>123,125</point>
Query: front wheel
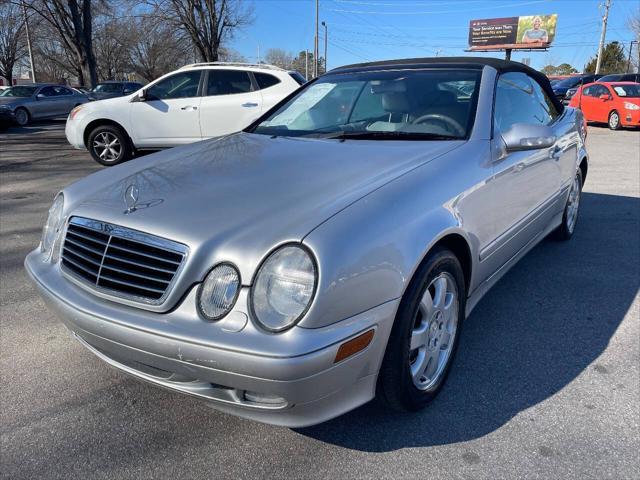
<point>424,337</point>
<point>571,209</point>
<point>109,145</point>
<point>22,116</point>
<point>614,120</point>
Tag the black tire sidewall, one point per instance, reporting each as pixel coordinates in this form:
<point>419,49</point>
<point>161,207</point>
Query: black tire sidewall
<point>395,386</point>
<point>125,153</point>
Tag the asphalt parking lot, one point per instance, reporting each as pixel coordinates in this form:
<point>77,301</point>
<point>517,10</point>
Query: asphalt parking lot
<point>546,383</point>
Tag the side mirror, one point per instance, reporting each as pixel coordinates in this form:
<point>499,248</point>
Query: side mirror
<point>528,136</point>
<point>605,97</point>
<point>142,96</point>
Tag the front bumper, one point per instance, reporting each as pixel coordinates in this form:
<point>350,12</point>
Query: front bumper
<point>296,383</point>
<point>74,132</point>
<point>630,118</point>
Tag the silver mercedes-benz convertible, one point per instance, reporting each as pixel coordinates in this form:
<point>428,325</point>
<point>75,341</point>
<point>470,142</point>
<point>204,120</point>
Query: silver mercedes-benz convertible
<point>328,253</point>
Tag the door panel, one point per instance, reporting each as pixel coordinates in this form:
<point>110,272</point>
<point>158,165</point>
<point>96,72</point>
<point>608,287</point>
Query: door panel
<point>170,114</point>
<point>46,106</point>
<point>230,103</point>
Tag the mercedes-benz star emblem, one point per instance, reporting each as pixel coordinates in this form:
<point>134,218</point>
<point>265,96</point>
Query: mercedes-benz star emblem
<point>132,197</point>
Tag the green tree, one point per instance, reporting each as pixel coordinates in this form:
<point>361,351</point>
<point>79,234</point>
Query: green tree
<point>562,69</point>
<point>613,60</point>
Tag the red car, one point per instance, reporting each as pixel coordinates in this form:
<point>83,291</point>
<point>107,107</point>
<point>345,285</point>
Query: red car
<point>615,103</point>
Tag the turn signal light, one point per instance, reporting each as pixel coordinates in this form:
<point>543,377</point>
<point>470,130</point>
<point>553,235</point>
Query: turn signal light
<point>354,346</point>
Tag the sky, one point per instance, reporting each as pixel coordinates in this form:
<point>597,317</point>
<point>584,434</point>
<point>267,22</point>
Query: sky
<point>367,30</point>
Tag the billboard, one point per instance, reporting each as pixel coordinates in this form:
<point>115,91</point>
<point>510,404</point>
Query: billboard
<point>533,31</point>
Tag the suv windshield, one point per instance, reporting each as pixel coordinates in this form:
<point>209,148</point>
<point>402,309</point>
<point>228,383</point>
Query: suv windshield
<point>108,88</point>
<point>399,104</point>
<point>19,92</point>
<point>569,82</point>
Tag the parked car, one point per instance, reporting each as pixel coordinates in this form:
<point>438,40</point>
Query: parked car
<point>112,89</point>
<point>38,101</point>
<point>620,77</point>
<point>567,87</point>
<point>82,89</point>
<point>617,104</point>
<point>329,251</point>
<point>7,118</point>
<point>196,102</point>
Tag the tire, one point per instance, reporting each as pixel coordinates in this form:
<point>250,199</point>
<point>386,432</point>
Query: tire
<point>402,385</point>
<point>109,145</point>
<point>22,116</point>
<point>571,210</point>
<point>614,120</point>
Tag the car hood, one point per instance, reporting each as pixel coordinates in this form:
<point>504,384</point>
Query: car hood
<point>235,198</point>
<point>103,96</point>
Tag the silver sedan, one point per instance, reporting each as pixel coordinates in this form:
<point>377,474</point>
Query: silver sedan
<point>40,101</point>
<point>331,251</point>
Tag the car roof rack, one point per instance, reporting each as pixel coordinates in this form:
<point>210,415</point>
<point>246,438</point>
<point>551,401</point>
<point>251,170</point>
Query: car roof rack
<point>233,64</point>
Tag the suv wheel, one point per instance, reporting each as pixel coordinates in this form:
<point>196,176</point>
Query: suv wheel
<point>109,145</point>
<point>425,334</point>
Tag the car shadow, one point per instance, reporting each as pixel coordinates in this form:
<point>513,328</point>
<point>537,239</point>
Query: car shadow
<point>35,126</point>
<point>541,326</point>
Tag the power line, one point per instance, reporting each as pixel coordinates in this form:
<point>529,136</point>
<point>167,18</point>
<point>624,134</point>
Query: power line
<point>362,12</point>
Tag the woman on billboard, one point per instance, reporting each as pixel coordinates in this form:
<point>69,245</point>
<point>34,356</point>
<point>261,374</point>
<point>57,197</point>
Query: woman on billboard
<point>536,34</point>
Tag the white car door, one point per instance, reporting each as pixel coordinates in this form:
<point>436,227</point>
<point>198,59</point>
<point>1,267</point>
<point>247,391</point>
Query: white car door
<point>169,113</point>
<point>230,102</point>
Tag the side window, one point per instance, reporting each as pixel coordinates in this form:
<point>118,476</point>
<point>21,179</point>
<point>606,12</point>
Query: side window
<point>180,85</point>
<point>228,82</point>
<point>62,91</point>
<point>265,80</point>
<point>545,102</point>
<point>47,92</point>
<point>517,102</point>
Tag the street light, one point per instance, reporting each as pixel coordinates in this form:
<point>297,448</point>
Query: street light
<point>326,38</point>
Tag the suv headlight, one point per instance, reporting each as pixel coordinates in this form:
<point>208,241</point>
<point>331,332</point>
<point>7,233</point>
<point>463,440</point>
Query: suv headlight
<point>219,292</point>
<point>284,288</point>
<point>75,111</point>
<point>52,228</point>
<point>631,106</point>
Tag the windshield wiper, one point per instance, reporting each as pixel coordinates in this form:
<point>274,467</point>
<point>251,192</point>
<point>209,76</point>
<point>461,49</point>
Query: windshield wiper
<point>388,136</point>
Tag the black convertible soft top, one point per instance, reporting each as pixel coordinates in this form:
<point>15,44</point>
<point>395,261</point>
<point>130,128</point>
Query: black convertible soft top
<point>465,62</point>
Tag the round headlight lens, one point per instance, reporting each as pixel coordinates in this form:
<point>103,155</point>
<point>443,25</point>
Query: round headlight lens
<point>219,292</point>
<point>284,288</point>
<point>52,227</point>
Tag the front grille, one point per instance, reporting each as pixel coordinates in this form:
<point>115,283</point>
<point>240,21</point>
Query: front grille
<point>121,261</point>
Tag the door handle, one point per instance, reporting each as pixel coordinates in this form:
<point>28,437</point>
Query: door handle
<point>556,153</point>
<point>188,107</point>
<point>518,167</point>
<point>249,105</point>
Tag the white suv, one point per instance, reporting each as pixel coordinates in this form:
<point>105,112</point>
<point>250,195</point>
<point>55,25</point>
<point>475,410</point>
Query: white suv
<point>193,103</point>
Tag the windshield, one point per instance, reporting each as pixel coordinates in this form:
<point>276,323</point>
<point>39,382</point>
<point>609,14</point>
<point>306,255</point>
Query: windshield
<point>632,91</point>
<point>400,104</point>
<point>19,92</point>
<point>108,88</point>
<point>568,82</point>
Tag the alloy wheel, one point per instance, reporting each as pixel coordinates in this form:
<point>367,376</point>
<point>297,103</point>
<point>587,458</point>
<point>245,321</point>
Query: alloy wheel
<point>614,120</point>
<point>107,146</point>
<point>433,335</point>
<point>573,204</point>
<point>22,117</point>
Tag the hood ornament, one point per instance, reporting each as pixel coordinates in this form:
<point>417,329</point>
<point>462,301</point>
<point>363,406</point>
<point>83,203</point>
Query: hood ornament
<point>131,197</point>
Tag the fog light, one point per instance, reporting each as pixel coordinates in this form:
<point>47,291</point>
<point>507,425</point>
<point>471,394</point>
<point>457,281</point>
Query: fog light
<point>264,398</point>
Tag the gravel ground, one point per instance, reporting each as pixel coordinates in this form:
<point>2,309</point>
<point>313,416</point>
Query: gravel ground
<point>546,383</point>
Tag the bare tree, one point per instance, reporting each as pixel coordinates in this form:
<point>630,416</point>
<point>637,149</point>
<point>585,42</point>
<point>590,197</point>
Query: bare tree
<point>156,48</point>
<point>279,58</point>
<point>208,23</point>
<point>112,40</point>
<point>634,25</point>
<point>73,22</point>
<point>12,45</point>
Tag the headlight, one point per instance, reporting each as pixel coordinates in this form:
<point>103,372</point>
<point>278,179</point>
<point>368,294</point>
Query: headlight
<point>52,228</point>
<point>75,111</point>
<point>219,292</point>
<point>284,288</point>
<point>631,106</point>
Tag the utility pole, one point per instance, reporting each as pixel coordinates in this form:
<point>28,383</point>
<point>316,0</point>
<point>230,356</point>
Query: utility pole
<point>326,37</point>
<point>630,50</point>
<point>315,43</point>
<point>306,65</point>
<point>602,35</point>
<point>26,26</point>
